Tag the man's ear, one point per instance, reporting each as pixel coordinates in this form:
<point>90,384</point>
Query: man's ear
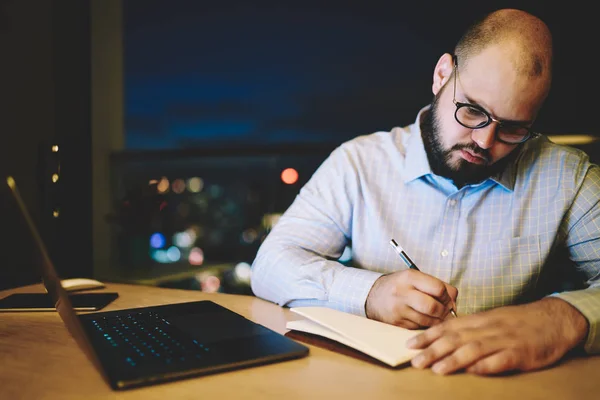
<point>442,72</point>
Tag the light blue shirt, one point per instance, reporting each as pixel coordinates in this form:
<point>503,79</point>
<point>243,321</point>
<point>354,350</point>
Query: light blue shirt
<point>495,241</point>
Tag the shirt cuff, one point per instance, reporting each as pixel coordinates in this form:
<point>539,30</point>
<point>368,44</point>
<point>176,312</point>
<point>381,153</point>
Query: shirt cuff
<point>587,301</point>
<point>350,289</point>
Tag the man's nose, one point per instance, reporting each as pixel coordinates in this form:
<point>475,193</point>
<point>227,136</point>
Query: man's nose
<point>485,137</point>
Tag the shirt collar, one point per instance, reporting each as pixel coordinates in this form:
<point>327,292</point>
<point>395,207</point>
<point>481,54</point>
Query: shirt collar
<point>507,178</point>
<point>416,162</point>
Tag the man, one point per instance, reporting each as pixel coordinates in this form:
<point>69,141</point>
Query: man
<point>480,202</point>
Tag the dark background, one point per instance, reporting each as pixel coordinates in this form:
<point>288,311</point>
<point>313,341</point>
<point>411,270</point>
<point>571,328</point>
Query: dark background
<point>45,99</point>
<point>208,74</point>
<point>216,73</point>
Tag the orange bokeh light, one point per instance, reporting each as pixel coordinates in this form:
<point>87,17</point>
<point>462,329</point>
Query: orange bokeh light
<point>289,176</point>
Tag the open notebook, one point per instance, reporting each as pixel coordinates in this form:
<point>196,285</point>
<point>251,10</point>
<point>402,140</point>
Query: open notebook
<point>382,341</point>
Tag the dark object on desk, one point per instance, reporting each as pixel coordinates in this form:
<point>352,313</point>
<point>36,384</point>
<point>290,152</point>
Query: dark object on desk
<point>43,302</point>
<point>147,345</point>
<point>144,346</point>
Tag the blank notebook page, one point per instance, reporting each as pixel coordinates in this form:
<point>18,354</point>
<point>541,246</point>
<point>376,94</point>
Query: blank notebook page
<point>382,341</point>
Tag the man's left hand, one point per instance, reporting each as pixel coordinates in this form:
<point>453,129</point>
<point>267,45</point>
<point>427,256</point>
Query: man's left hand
<point>524,337</point>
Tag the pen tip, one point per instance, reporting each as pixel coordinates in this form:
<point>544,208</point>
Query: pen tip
<point>392,241</point>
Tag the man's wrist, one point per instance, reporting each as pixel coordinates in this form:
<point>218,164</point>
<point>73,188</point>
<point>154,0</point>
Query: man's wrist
<point>573,323</point>
<point>370,308</point>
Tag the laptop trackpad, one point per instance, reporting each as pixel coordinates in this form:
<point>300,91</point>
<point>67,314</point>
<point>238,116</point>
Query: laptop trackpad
<point>216,327</point>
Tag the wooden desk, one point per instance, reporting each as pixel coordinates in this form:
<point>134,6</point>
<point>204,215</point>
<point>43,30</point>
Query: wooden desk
<point>40,360</point>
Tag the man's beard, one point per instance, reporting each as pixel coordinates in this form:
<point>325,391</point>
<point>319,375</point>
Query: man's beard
<point>461,173</point>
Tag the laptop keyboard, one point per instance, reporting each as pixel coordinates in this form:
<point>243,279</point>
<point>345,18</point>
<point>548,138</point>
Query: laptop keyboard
<point>147,338</point>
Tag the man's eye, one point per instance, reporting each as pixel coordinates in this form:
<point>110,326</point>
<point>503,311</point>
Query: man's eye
<point>474,112</point>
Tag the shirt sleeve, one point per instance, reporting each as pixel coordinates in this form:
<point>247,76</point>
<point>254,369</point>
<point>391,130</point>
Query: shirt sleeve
<point>297,263</point>
<point>583,242</point>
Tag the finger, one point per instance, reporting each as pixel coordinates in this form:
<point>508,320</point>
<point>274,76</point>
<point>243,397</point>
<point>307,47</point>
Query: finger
<point>422,320</point>
<point>463,326</point>
<point>465,356</point>
<point>470,327</point>
<point>428,284</point>
<point>436,351</point>
<point>502,361</point>
<point>407,324</point>
<point>425,304</point>
<point>424,339</point>
<point>452,292</point>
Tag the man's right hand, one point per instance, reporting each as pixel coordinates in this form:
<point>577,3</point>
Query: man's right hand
<point>410,299</point>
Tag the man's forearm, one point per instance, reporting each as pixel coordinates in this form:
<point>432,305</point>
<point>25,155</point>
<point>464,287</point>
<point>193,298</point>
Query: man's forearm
<point>572,323</point>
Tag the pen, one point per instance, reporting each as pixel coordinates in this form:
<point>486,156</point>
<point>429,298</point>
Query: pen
<point>410,264</point>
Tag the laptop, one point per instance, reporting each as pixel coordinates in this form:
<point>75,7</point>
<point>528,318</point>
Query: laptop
<point>144,346</point>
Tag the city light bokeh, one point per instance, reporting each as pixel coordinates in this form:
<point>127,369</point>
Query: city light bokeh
<point>178,217</point>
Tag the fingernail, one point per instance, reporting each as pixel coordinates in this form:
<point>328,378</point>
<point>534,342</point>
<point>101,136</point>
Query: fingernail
<point>411,342</point>
<point>418,361</point>
<point>439,368</point>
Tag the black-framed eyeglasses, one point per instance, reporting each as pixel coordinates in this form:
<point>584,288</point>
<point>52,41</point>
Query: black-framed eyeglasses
<point>475,117</point>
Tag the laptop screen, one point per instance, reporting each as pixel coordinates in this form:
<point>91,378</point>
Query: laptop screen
<point>52,281</point>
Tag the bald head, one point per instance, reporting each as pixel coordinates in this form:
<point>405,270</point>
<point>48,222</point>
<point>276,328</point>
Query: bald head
<point>525,39</point>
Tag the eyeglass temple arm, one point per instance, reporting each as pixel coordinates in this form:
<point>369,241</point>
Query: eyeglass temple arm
<point>455,61</point>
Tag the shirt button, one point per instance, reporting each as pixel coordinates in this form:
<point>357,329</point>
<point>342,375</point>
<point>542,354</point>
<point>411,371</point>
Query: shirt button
<point>452,202</point>
<point>444,253</point>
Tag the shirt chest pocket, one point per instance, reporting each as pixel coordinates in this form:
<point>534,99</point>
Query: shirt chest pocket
<point>502,272</point>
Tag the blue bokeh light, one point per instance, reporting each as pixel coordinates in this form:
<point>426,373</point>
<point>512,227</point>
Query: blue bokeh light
<point>157,240</point>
